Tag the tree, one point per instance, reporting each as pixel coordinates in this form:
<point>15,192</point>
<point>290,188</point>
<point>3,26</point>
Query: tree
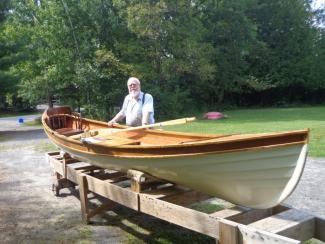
<point>286,29</point>
<point>8,57</point>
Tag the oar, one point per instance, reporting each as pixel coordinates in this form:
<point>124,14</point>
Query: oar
<point>160,124</point>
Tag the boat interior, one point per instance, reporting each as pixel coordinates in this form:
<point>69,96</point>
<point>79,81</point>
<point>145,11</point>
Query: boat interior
<point>65,122</point>
<point>70,124</point>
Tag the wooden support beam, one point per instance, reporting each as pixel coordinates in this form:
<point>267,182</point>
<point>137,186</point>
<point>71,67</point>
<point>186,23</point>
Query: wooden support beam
<point>71,161</point>
<point>186,217</point>
<point>291,223</point>
<point>245,215</point>
<point>72,170</point>
<point>228,232</point>
<point>56,165</point>
<point>109,175</point>
<point>103,207</point>
<point>234,225</point>
<point>115,193</point>
<point>251,215</point>
<point>250,235</point>
<point>320,228</point>
<point>88,168</point>
<point>136,177</point>
<point>141,181</point>
<point>51,154</point>
<point>83,191</point>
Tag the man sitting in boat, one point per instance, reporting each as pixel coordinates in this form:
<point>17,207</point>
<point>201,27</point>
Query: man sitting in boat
<point>137,107</point>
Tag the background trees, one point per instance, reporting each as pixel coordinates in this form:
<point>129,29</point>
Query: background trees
<point>191,55</point>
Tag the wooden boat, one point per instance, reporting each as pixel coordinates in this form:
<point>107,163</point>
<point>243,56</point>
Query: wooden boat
<point>253,170</point>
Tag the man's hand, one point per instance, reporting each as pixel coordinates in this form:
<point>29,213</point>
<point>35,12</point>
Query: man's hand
<point>111,123</point>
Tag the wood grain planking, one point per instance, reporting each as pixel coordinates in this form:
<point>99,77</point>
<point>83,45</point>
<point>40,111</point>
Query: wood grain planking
<point>113,192</point>
<point>291,223</point>
<point>173,213</point>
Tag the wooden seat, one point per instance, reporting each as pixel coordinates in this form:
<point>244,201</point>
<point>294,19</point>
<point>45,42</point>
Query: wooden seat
<point>69,131</point>
<point>57,121</point>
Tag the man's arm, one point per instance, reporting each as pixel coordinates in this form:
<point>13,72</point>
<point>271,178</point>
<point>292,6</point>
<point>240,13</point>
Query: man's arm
<point>120,115</point>
<point>145,118</point>
<point>147,109</point>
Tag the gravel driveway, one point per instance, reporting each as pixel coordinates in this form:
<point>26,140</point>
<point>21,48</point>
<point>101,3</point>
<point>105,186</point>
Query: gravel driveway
<point>30,213</point>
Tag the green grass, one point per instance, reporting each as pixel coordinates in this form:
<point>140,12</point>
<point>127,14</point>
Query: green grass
<point>207,207</point>
<point>313,241</point>
<point>35,122</point>
<point>266,120</point>
<point>14,114</point>
<point>151,230</point>
<point>85,233</point>
<point>3,137</point>
<point>45,147</point>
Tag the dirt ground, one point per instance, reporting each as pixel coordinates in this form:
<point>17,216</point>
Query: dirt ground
<point>30,213</point>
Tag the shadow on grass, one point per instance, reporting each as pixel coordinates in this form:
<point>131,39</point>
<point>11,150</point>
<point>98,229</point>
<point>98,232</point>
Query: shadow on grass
<point>142,228</point>
<point>138,227</point>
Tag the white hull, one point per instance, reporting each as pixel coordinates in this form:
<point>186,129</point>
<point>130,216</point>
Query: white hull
<point>257,178</point>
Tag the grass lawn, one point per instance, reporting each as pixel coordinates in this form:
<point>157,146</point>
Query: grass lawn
<point>13,114</point>
<point>266,120</point>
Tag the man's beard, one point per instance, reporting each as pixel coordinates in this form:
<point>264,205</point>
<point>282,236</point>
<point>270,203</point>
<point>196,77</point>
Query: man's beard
<point>134,94</point>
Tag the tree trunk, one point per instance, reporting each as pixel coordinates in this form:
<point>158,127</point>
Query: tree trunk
<point>50,101</point>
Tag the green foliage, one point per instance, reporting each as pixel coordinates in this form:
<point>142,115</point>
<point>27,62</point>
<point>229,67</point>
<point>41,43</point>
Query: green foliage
<point>105,82</point>
<point>191,55</point>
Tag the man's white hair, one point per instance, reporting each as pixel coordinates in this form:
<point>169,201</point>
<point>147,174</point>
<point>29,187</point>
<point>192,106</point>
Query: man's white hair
<point>133,79</point>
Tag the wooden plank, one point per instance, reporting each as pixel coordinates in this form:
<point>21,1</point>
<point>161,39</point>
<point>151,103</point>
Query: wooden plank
<point>228,232</point>
<point>135,186</point>
<point>57,165</point>
<point>79,165</point>
<point>108,175</point>
<point>113,192</point>
<point>87,168</point>
<point>251,235</point>
<point>232,232</point>
<point>53,153</point>
<point>101,208</point>
<point>188,218</point>
<point>320,229</point>
<point>291,223</point>
<point>71,160</point>
<point>83,191</point>
<point>71,174</point>
<point>251,215</point>
<point>245,215</point>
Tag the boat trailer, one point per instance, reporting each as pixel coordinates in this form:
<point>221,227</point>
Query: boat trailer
<point>166,201</point>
